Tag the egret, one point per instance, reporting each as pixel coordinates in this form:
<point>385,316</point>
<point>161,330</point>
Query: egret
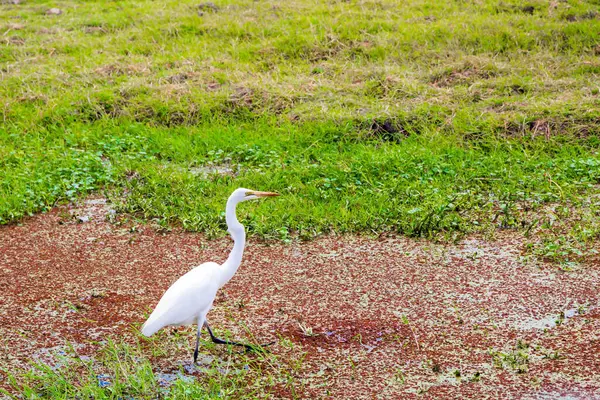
<point>191,297</point>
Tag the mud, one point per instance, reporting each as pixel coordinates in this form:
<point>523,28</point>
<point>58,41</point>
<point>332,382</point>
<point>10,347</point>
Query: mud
<point>377,318</point>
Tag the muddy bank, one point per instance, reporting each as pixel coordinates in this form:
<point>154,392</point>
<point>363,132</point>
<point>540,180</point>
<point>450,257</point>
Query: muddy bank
<point>376,317</point>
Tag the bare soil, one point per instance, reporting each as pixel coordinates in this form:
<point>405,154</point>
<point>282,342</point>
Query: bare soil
<point>377,318</point>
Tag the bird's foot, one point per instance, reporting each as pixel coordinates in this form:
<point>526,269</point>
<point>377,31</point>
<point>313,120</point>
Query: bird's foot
<point>258,348</point>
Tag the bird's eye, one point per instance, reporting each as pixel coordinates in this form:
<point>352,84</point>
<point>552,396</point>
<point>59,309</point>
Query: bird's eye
<point>248,194</point>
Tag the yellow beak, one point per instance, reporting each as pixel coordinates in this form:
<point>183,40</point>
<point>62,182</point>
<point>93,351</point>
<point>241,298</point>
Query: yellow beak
<point>262,194</point>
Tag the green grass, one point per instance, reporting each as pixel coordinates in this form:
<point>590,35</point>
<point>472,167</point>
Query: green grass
<point>125,371</point>
<point>427,118</point>
<point>516,359</point>
<point>420,118</point>
<point>331,178</point>
<point>423,118</point>
<point>475,65</point>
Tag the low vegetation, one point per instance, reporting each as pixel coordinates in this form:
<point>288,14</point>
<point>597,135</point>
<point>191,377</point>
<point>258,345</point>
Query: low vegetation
<point>368,116</point>
<point>123,371</point>
<point>425,118</point>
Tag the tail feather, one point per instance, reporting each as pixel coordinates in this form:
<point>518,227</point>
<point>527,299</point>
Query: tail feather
<point>151,326</point>
<point>148,330</point>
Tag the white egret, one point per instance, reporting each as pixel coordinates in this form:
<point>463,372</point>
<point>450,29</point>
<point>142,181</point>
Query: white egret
<point>190,298</point>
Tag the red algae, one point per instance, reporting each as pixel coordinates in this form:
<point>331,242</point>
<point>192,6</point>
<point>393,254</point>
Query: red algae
<point>374,318</point>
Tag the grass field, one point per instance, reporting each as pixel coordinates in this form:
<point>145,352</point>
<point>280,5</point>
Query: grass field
<point>122,370</point>
<point>426,118</point>
<point>368,116</point>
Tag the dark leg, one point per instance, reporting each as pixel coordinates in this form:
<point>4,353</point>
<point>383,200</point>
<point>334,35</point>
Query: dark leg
<point>216,340</point>
<point>197,342</point>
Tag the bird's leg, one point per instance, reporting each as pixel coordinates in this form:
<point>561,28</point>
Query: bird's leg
<point>216,340</point>
<point>197,342</point>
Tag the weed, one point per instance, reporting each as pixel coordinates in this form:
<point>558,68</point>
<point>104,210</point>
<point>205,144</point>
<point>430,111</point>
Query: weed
<point>517,359</point>
<point>399,376</point>
<point>430,119</point>
<point>121,371</point>
<point>307,330</point>
<point>323,112</point>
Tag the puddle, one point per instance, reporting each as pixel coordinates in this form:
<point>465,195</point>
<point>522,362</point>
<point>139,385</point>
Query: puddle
<point>91,209</point>
<point>166,380</point>
<point>206,363</point>
<point>550,321</point>
<point>369,347</point>
<point>203,366</point>
<point>557,396</point>
<point>104,380</point>
<point>54,356</point>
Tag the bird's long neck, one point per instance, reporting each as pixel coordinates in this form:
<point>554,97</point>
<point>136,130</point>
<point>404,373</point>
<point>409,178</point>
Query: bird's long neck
<point>238,234</point>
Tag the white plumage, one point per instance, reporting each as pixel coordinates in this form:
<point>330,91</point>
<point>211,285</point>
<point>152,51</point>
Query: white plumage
<point>191,297</point>
<point>187,301</point>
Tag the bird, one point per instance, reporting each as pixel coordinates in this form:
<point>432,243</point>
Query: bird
<point>190,298</point>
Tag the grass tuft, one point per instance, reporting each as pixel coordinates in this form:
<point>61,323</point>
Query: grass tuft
<point>123,370</point>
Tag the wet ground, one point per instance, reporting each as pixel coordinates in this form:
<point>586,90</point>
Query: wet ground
<point>378,318</point>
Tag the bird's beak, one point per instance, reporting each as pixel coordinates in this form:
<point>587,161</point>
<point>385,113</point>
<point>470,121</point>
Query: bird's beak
<point>262,194</point>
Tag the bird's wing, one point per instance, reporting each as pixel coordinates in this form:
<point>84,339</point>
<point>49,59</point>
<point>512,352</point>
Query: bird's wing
<point>188,298</point>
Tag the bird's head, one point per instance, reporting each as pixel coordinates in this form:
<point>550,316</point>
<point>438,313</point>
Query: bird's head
<point>242,194</point>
